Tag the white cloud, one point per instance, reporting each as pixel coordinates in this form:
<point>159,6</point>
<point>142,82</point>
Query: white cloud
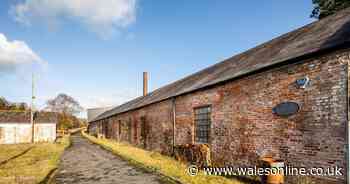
<point>101,16</point>
<point>16,54</point>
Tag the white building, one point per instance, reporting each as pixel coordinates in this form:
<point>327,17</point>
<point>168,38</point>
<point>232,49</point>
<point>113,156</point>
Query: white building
<point>15,127</point>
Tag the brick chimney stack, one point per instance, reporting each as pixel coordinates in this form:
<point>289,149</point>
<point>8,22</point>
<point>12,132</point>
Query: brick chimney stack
<point>145,83</point>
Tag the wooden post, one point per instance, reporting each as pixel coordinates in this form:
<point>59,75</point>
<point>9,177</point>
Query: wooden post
<point>32,110</point>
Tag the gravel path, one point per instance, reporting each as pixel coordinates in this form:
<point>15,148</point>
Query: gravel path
<point>87,163</point>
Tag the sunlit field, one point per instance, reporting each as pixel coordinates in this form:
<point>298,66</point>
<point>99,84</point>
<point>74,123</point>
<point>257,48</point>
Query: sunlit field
<point>30,163</point>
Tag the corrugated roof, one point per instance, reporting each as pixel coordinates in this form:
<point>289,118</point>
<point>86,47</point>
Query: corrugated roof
<point>24,117</point>
<point>321,35</point>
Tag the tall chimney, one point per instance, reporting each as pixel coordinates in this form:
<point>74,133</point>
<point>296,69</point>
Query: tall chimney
<point>145,83</point>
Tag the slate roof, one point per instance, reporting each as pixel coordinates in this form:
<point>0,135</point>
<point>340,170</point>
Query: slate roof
<point>24,117</point>
<point>330,32</point>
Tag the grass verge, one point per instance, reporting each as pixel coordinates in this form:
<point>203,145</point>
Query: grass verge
<point>34,165</point>
<point>9,152</point>
<point>156,162</point>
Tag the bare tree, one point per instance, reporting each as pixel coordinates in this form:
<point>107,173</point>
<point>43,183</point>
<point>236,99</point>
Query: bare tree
<point>7,105</point>
<point>64,104</point>
<point>22,106</point>
<point>4,104</point>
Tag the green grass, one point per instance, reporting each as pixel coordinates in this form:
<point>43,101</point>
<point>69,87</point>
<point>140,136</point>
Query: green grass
<point>156,162</point>
<point>33,166</point>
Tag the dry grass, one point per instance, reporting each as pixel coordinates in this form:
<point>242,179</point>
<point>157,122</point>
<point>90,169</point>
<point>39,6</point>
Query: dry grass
<point>33,166</point>
<point>155,161</point>
<point>9,151</point>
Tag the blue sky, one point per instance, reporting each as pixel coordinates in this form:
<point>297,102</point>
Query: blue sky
<point>100,61</point>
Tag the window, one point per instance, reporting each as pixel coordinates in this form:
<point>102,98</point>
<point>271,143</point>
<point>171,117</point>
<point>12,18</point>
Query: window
<point>202,124</point>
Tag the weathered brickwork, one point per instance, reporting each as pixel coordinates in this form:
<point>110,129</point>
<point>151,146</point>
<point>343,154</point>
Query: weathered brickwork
<point>244,128</point>
<point>127,127</point>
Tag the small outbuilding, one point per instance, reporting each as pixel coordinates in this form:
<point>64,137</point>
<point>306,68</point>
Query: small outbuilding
<point>15,127</point>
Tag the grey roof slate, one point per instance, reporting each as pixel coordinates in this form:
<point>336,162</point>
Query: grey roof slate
<point>318,36</point>
<point>24,117</point>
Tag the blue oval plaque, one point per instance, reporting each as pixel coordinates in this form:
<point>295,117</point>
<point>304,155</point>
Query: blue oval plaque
<point>286,109</point>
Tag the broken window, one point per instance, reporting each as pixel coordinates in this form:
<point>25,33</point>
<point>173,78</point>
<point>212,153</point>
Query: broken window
<point>143,127</point>
<point>202,124</point>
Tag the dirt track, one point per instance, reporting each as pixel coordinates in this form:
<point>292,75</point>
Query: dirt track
<point>87,163</point>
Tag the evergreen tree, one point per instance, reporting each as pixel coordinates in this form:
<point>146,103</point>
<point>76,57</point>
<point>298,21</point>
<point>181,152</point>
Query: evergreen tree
<point>323,8</point>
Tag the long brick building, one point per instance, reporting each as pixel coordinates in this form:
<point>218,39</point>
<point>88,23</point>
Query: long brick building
<point>287,98</point>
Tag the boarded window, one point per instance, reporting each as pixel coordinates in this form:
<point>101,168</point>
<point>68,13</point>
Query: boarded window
<point>143,127</point>
<point>144,131</point>
<point>115,129</point>
<point>119,128</point>
<point>129,130</point>
<point>108,128</point>
<point>202,124</point>
<point>135,131</point>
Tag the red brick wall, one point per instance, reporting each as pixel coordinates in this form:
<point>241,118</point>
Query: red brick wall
<point>243,125</point>
<point>158,117</point>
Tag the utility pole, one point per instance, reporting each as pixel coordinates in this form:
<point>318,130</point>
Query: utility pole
<point>32,109</point>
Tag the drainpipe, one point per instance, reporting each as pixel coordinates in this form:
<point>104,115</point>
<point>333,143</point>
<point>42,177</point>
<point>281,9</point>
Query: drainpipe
<point>348,124</point>
<point>174,123</point>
